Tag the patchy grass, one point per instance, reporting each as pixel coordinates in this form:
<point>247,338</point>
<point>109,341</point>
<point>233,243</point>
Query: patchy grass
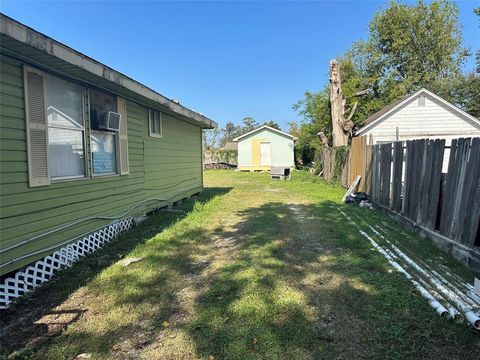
<point>254,269</point>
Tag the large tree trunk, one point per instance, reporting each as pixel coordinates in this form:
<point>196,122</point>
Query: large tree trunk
<point>341,126</point>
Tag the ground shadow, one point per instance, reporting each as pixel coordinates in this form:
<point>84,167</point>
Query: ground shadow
<point>304,286</point>
<point>286,281</point>
<point>33,320</point>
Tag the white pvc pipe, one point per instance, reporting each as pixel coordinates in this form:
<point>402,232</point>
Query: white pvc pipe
<point>470,314</point>
<point>457,278</point>
<point>455,289</point>
<point>470,297</point>
<point>439,308</point>
<point>436,278</point>
<point>418,268</point>
<point>453,312</point>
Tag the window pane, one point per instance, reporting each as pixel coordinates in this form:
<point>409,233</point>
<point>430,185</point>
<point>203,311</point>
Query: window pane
<point>64,103</point>
<point>103,152</point>
<point>66,153</point>
<point>100,104</point>
<point>155,122</point>
<point>152,121</point>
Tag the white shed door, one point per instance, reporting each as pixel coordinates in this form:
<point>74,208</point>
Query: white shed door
<point>265,157</point>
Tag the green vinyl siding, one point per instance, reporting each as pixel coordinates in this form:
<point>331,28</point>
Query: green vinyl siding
<point>159,168</point>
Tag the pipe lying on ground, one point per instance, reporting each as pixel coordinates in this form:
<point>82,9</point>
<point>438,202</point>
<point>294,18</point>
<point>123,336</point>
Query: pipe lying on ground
<point>436,277</point>
<point>469,297</point>
<point>439,308</point>
<point>454,313</point>
<point>463,303</point>
<point>434,303</point>
<point>455,289</point>
<point>470,314</point>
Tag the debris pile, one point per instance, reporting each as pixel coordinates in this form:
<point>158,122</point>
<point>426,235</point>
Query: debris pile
<point>219,166</point>
<point>359,198</point>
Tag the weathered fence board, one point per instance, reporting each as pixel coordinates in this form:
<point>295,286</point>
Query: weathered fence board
<point>430,180</point>
<point>375,192</point>
<point>472,219</point>
<point>396,203</point>
<point>461,208</point>
<point>368,169</point>
<point>408,180</point>
<point>411,171</point>
<point>357,161</point>
<point>385,173</point>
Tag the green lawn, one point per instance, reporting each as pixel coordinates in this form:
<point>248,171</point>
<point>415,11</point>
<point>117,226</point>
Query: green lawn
<point>252,269</point>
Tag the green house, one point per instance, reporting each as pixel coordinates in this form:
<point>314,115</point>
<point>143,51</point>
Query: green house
<point>84,151</point>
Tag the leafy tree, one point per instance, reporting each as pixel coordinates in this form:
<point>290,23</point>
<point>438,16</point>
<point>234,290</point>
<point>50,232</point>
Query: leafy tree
<point>477,12</point>
<point>211,138</point>
<point>249,124</point>
<point>293,129</point>
<point>230,132</point>
<point>408,47</point>
<point>272,124</point>
<point>415,46</point>
<point>467,94</point>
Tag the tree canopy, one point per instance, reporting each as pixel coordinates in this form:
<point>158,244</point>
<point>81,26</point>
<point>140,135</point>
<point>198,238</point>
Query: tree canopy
<point>408,47</point>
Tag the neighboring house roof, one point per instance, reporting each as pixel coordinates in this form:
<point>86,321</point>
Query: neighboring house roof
<point>264,127</point>
<point>38,49</point>
<point>230,145</point>
<point>383,113</point>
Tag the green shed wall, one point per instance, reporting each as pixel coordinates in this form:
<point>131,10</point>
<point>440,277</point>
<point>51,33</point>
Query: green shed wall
<point>158,168</point>
<point>282,149</point>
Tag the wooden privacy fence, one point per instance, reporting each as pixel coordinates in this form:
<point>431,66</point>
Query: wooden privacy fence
<point>359,163</point>
<point>408,180</point>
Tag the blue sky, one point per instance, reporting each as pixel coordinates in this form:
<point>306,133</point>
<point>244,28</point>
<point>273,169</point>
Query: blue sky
<point>227,60</point>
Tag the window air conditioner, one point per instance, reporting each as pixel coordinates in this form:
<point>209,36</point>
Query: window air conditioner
<point>110,121</point>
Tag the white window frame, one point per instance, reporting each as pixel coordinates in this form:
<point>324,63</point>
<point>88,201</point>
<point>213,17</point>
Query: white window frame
<point>151,131</point>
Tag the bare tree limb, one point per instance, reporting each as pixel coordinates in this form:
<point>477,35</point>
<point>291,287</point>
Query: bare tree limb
<point>323,138</point>
<point>363,92</point>
<point>352,111</point>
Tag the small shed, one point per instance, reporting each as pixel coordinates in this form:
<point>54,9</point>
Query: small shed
<point>264,147</point>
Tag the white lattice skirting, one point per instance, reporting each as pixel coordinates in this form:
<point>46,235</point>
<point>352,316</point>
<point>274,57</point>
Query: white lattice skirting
<point>43,270</point>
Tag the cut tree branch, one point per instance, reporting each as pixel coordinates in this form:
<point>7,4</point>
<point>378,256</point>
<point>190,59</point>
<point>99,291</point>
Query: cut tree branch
<point>323,138</point>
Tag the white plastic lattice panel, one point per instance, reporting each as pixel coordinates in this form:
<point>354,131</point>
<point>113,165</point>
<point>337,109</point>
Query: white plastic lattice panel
<point>41,271</point>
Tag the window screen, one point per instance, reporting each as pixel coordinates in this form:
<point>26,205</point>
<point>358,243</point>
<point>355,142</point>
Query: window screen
<point>103,142</point>
<point>104,152</point>
<point>65,128</point>
<point>155,123</point>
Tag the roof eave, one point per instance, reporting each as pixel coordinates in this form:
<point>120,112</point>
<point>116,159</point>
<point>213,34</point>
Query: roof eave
<point>265,127</point>
<point>39,41</point>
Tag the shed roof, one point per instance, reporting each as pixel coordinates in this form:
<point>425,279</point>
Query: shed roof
<point>376,118</point>
<point>37,49</point>
<point>264,127</point>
